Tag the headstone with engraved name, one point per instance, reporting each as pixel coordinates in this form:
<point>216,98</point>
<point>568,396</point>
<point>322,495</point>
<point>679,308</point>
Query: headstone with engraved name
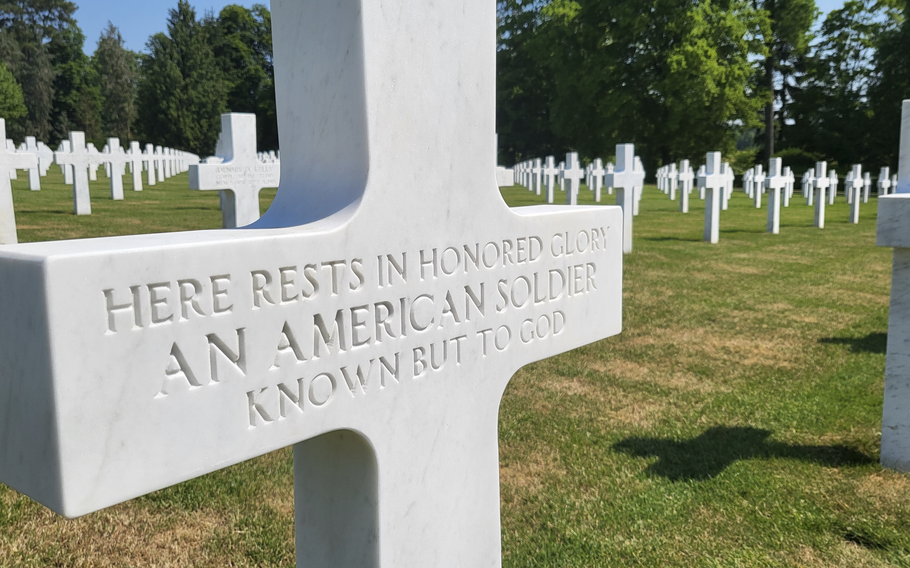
<point>241,176</point>
<point>360,321</point>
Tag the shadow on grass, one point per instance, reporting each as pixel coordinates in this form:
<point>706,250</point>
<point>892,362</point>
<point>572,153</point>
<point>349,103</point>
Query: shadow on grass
<point>872,343</point>
<point>683,239</point>
<point>708,455</point>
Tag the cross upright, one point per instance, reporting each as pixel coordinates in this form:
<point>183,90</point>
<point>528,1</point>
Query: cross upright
<point>79,160</point>
<point>715,184</point>
<point>822,181</point>
<point>537,175</point>
<point>788,186</point>
<point>135,159</point>
<point>884,181</point>
<point>774,184</point>
<point>34,174</point>
<point>10,161</point>
<point>685,185</point>
<point>94,161</point>
<point>702,170</point>
<point>572,174</point>
<point>115,158</point>
<point>372,318</point>
<point>854,188</point>
<point>832,186</point>
<point>241,176</point>
<point>597,178</point>
<point>867,186</point>
<point>894,232</point>
<point>149,158</point>
<point>729,178</point>
<point>808,188</point>
<point>549,175</point>
<point>625,179</point>
<point>758,185</point>
<point>159,164</point>
<point>672,181</point>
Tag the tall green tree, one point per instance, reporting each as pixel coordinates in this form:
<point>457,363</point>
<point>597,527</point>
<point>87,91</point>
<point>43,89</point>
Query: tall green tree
<point>77,97</point>
<point>787,42</point>
<point>27,27</point>
<point>116,69</point>
<point>182,93</point>
<point>831,112</point>
<point>11,102</point>
<point>890,85</point>
<point>243,49</point>
<point>672,76</point>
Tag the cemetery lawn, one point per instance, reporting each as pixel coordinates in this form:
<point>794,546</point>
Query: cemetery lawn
<point>735,421</point>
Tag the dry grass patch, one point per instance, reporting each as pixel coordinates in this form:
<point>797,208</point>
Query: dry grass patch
<point>120,536</point>
<point>528,473</point>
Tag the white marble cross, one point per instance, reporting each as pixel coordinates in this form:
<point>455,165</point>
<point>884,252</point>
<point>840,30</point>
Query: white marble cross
<point>685,185</point>
<point>894,232</point>
<point>672,181</point>
<point>758,185</point>
<point>715,184</point>
<point>822,182</point>
<point>536,175</point>
<point>115,158</point>
<point>774,184</point>
<point>95,160</point>
<point>161,171</point>
<point>853,186</point>
<point>372,318</point>
<point>832,186</point>
<point>597,178</point>
<point>626,180</point>
<point>149,158</point>
<point>241,176</point>
<point>572,176</point>
<point>10,161</point>
<point>867,186</point>
<point>884,181</point>
<point>34,174</point>
<point>135,159</point>
<point>549,175</point>
<point>78,158</point>
<point>808,188</point>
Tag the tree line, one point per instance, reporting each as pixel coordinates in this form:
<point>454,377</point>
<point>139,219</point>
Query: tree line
<point>679,78</point>
<point>172,95</point>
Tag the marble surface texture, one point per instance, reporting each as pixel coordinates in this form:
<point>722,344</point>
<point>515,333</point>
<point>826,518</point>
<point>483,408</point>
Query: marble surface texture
<point>372,318</point>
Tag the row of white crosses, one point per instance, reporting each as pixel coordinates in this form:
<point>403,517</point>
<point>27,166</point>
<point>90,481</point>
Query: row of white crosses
<point>539,176</point>
<point>80,162</point>
<point>819,187</point>
<point>134,342</point>
<point>671,178</point>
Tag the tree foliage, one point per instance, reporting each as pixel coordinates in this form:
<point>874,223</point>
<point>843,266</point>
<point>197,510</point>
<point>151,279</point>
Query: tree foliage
<point>116,69</point>
<point>183,92</point>
<point>11,102</point>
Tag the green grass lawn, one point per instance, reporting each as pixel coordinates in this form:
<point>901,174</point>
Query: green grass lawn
<point>735,421</point>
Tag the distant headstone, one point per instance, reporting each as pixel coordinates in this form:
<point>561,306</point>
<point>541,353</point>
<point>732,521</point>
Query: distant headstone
<point>854,188</point>
<point>625,179</point>
<point>149,155</point>
<point>136,158</point>
<point>884,181</point>
<point>775,183</point>
<point>822,182</point>
<point>572,176</point>
<point>242,176</point>
<point>10,161</point>
<point>34,174</point>
<point>597,178</point>
<point>832,186</point>
<point>758,185</point>
<point>715,184</point>
<point>867,186</point>
<point>685,177</point>
<point>78,158</point>
<point>114,160</point>
<point>360,323</point>
<point>549,175</point>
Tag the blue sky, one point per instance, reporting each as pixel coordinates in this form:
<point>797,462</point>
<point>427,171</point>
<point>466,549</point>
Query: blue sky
<point>139,19</point>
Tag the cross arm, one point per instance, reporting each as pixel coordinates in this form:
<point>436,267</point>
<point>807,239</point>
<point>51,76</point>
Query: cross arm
<point>155,359</point>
